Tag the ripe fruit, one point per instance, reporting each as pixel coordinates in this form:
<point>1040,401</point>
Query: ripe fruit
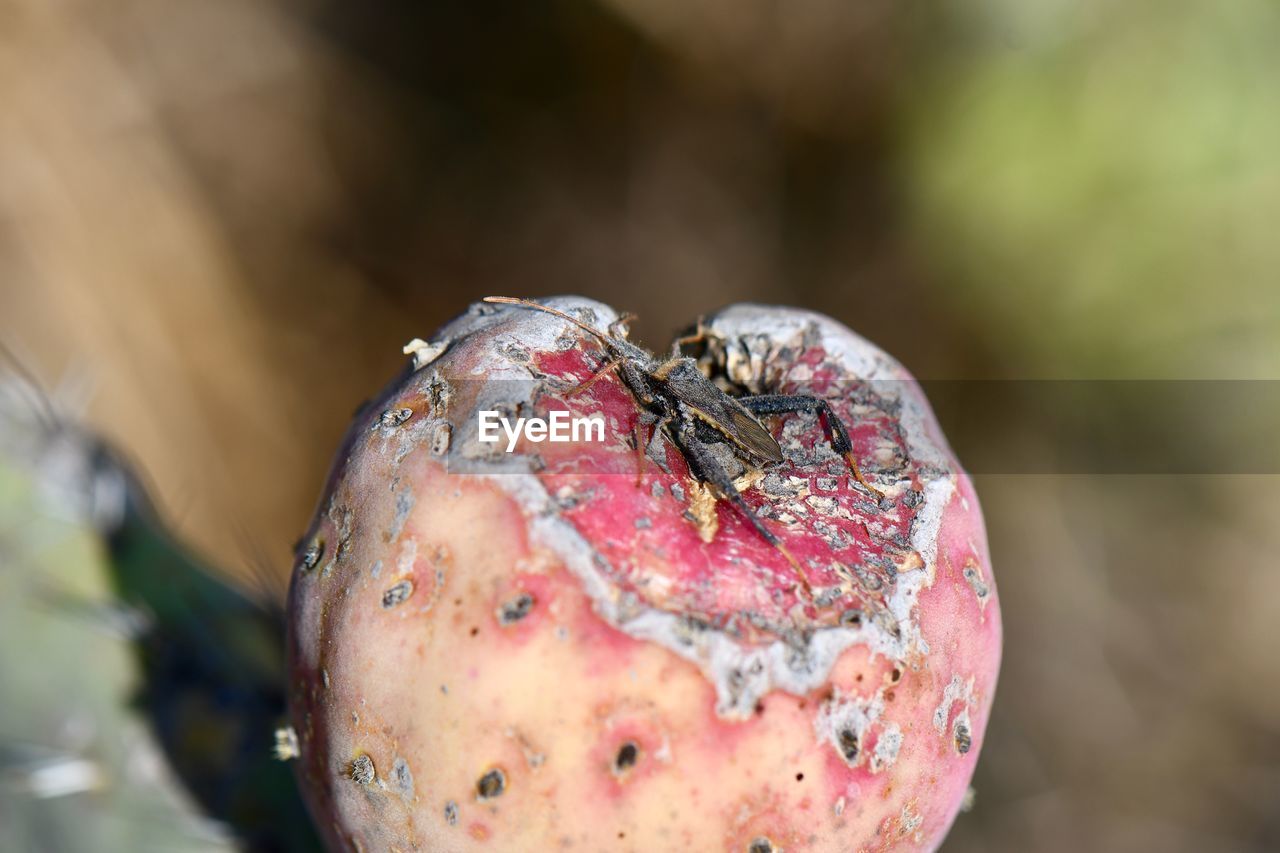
<point>574,645</point>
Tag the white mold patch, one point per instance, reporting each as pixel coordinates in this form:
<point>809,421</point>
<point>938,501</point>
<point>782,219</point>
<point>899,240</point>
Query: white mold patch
<point>909,820</point>
<point>408,556</point>
<point>853,728</point>
<point>441,439</point>
<point>846,725</point>
<point>888,745</point>
<point>958,690</point>
<point>404,505</point>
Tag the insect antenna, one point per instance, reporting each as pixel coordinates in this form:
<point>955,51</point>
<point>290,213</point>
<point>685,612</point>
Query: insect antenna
<point>511,300</point>
<point>28,386</point>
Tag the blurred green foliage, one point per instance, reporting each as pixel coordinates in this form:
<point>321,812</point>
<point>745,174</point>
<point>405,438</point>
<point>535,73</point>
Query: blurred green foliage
<point>141,691</point>
<point>78,768</point>
<point>1099,183</point>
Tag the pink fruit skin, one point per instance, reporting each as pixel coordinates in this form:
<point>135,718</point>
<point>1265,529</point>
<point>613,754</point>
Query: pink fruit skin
<point>562,656</point>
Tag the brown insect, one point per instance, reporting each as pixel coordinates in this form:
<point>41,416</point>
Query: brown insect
<point>694,413</point>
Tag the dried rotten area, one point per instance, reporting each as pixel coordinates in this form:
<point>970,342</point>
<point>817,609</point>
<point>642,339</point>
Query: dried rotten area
<point>641,506</point>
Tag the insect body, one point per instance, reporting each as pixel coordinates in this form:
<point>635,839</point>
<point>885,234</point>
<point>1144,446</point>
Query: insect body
<point>695,414</point>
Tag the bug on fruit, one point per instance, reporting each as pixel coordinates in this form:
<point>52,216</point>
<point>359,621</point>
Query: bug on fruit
<point>695,414</point>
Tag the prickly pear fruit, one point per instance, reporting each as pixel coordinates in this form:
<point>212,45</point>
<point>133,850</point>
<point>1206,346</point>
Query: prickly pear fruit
<point>575,645</point>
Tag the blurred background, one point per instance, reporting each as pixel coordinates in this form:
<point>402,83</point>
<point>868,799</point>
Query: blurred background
<point>219,222</point>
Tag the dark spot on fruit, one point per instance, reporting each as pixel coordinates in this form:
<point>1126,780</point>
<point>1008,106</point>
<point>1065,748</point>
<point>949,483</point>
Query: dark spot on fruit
<point>760,845</point>
<point>628,755</point>
<point>475,631</point>
<point>622,835</point>
<point>963,739</point>
<point>314,552</point>
<point>394,417</point>
<point>457,602</point>
<point>403,776</point>
<point>896,675</point>
<point>848,741</point>
<point>759,707</point>
<point>515,609</point>
<point>361,771</point>
<point>491,785</point>
<point>974,580</point>
<point>889,696</point>
<point>397,594</point>
<point>451,813</point>
<point>799,777</point>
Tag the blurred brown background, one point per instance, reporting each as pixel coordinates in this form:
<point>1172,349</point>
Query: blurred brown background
<point>219,221</point>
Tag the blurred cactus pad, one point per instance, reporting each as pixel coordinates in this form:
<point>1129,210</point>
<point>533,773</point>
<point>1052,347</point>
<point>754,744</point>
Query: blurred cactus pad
<point>140,692</point>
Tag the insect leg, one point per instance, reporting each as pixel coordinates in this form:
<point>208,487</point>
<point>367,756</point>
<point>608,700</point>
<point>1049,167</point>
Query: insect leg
<point>780,404</point>
<point>699,333</point>
<point>594,378</point>
<point>619,327</point>
<point>638,382</point>
<point>707,468</point>
<point>636,436</point>
<point>642,446</point>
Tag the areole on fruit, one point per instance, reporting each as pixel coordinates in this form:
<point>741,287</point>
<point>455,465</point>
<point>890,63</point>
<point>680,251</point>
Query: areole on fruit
<point>573,644</point>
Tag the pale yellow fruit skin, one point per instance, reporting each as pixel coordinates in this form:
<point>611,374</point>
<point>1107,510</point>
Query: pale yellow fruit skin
<point>550,699</point>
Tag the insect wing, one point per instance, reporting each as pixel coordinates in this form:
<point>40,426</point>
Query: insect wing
<point>725,414</point>
<point>717,409</point>
<point>742,427</point>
